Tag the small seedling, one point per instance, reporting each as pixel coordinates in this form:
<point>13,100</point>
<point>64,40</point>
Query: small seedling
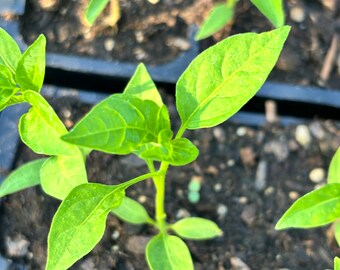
<point>213,88</point>
<point>318,207</point>
<point>223,13</point>
<point>96,7</point>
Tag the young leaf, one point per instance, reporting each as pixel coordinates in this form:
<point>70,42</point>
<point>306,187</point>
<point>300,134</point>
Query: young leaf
<point>132,212</point>
<point>14,99</point>
<point>142,86</point>
<point>272,9</point>
<point>30,71</point>
<point>156,117</point>
<point>217,19</point>
<point>196,228</point>
<point>79,223</point>
<point>334,168</point>
<point>41,128</point>
<point>224,77</point>
<point>114,126</point>
<point>60,174</point>
<point>7,86</point>
<point>336,263</point>
<point>316,208</point>
<point>177,152</point>
<point>10,53</point>
<point>168,252</point>
<point>28,175</point>
<point>94,9</point>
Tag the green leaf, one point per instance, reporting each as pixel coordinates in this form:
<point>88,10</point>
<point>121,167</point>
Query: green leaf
<point>28,175</point>
<point>14,99</point>
<point>156,117</point>
<point>224,77</point>
<point>142,86</point>
<point>41,128</point>
<point>60,174</point>
<point>132,212</point>
<point>217,19</point>
<point>9,51</point>
<point>114,126</point>
<point>168,252</point>
<point>7,86</point>
<point>79,223</point>
<point>94,9</point>
<point>334,168</point>
<point>196,228</point>
<point>316,208</point>
<point>30,71</point>
<point>336,263</point>
<point>273,10</point>
<point>177,152</point>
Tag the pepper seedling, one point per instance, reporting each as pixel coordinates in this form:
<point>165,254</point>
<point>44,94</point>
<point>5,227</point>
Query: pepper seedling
<point>213,88</point>
<point>223,13</point>
<point>318,207</point>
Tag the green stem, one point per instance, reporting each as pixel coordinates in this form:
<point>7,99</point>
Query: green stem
<point>159,182</point>
<point>133,181</point>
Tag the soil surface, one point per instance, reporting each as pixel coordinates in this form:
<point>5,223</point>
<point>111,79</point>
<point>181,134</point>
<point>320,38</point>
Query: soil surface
<point>249,177</point>
<point>155,34</point>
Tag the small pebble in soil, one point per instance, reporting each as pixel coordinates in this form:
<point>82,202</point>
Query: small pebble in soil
<point>261,175</point>
<point>247,156</point>
<point>293,195</point>
<point>222,211</point>
<point>248,214</point>
<point>115,235</point>
<point>297,14</point>
<point>179,43</point>
<point>140,54</point>
<point>139,36</point>
<point>243,200</point>
<point>317,130</point>
<point>230,162</point>
<point>269,191</point>
<point>238,264</point>
<point>16,246</point>
<point>302,135</point>
<point>317,175</point>
<point>219,134</point>
<point>182,213</point>
<point>109,44</point>
<point>218,187</point>
<point>115,248</point>
<point>241,131</point>
<point>142,198</point>
<point>279,148</point>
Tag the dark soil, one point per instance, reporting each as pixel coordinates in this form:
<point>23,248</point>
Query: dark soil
<point>155,34</point>
<point>250,176</point>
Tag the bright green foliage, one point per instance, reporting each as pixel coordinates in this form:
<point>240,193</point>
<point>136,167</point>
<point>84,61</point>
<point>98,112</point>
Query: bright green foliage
<point>28,175</point>
<point>217,19</point>
<point>214,87</point>
<point>142,86</point>
<point>336,263</point>
<point>79,223</point>
<point>132,212</point>
<point>168,252</point>
<point>41,126</point>
<point>30,71</point>
<point>334,168</point>
<point>196,228</point>
<point>316,208</point>
<point>224,77</point>
<point>9,51</point>
<point>94,9</point>
<point>177,152</point>
<point>60,174</point>
<point>222,14</point>
<point>272,9</point>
